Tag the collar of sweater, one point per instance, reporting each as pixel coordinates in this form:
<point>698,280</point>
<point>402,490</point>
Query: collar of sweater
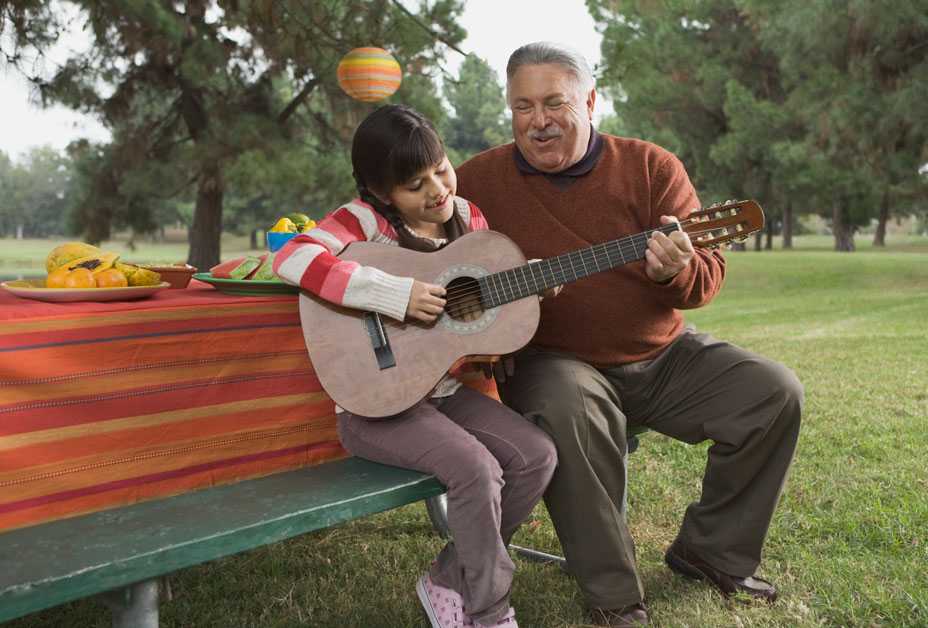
<point>594,151</point>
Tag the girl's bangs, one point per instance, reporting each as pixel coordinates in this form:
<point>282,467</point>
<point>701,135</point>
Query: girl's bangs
<point>421,150</point>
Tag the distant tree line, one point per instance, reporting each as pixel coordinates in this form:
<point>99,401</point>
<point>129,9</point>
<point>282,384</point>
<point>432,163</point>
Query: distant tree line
<point>812,107</point>
<point>226,114</point>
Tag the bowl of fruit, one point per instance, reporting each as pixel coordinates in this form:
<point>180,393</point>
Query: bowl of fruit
<point>178,275</point>
<point>286,228</point>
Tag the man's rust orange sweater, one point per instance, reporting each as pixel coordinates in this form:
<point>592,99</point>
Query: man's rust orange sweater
<point>618,316</point>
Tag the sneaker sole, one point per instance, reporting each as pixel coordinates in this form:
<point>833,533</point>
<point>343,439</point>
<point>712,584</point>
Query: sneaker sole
<point>426,604</point>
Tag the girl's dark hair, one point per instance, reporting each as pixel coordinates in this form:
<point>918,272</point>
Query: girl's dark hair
<point>390,146</point>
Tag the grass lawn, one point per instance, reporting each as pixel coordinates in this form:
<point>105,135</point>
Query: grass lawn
<point>848,545</point>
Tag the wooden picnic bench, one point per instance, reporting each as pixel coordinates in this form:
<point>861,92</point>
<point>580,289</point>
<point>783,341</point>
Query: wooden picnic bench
<point>122,554</point>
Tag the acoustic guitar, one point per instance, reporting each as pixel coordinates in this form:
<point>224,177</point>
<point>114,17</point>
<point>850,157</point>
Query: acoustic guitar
<point>375,366</point>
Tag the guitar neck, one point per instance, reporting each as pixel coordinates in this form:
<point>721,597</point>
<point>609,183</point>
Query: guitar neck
<point>517,283</point>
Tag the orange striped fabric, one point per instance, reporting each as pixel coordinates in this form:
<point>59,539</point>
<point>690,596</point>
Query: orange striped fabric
<point>106,404</point>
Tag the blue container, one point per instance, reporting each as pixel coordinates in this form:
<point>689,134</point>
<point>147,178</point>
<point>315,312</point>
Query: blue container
<point>276,239</point>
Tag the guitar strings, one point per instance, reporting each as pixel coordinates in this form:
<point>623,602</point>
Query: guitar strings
<point>412,329</point>
<point>466,300</point>
<point>457,298</point>
<point>597,250</point>
<point>592,255</point>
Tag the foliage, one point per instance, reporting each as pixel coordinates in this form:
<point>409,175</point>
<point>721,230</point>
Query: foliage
<point>188,89</point>
<point>479,110</point>
<point>816,105</point>
<point>35,194</point>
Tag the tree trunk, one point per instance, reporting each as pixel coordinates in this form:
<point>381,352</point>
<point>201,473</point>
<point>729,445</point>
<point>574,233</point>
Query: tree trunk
<point>758,240</point>
<point>207,218</point>
<point>253,239</point>
<point>844,232</point>
<point>788,225</point>
<point>768,241</point>
<point>879,238</point>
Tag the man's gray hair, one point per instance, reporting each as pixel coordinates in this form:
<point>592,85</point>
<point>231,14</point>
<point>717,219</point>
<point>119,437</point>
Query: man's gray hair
<point>544,52</point>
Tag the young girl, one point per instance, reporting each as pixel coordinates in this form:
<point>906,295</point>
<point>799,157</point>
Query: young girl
<point>494,463</point>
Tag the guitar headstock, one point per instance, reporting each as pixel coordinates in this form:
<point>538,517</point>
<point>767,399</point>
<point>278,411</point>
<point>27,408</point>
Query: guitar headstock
<point>723,222</point>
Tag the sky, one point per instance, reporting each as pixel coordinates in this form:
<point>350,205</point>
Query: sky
<point>495,28</point>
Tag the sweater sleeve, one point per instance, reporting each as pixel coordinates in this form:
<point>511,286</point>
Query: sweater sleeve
<point>672,194</point>
<point>310,261</point>
<point>478,221</point>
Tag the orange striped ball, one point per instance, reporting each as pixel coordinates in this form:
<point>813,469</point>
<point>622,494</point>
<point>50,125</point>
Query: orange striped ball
<point>369,74</point>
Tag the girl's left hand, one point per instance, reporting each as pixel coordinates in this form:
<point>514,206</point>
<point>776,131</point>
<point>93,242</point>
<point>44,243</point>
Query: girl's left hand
<point>550,292</point>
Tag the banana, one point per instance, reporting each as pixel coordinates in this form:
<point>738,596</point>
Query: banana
<point>137,276</point>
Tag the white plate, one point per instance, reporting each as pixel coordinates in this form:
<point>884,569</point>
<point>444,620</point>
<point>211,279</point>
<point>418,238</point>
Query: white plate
<point>35,289</point>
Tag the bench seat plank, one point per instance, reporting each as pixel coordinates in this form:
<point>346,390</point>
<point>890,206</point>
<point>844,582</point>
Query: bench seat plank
<point>49,564</point>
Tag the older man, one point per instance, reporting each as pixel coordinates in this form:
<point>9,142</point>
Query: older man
<point>612,350</point>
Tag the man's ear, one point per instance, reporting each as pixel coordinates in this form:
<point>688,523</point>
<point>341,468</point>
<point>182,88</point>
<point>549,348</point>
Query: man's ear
<point>590,102</point>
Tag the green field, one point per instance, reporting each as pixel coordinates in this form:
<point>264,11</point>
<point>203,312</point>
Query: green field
<point>848,546</point>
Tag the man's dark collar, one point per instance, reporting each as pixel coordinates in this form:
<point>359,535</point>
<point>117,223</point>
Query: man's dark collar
<point>594,151</point>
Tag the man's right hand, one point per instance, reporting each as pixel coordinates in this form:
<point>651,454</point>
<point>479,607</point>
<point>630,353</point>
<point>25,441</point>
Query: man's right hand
<point>426,301</point>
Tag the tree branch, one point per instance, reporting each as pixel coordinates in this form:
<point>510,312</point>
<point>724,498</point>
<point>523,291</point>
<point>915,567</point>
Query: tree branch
<point>425,27</point>
<point>297,100</point>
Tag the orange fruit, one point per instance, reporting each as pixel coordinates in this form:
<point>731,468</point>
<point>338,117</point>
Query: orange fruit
<point>111,278</point>
<point>56,278</point>
<point>80,278</point>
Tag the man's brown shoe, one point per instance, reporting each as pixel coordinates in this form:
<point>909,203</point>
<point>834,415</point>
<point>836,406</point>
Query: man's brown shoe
<point>631,616</point>
<point>685,562</point>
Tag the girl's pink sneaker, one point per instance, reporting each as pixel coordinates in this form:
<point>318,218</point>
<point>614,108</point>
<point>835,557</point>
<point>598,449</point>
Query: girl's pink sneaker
<point>444,606</point>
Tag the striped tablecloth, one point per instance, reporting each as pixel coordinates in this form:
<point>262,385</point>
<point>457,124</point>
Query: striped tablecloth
<point>106,404</point>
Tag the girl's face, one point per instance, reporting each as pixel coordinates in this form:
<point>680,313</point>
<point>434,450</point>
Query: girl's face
<point>427,199</point>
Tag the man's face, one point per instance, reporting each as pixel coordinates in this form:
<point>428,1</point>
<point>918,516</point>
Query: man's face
<point>550,116</point>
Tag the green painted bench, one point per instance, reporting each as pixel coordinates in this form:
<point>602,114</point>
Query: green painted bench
<point>123,552</point>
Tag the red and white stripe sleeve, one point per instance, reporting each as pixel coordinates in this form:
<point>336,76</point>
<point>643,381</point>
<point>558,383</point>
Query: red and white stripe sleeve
<point>478,221</point>
<point>309,261</point>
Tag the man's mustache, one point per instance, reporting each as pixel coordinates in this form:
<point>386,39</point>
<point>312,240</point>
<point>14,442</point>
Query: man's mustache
<point>545,134</point>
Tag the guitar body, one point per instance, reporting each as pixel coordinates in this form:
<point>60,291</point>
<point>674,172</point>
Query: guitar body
<point>342,348</point>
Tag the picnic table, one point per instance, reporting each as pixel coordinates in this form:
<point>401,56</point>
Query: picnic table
<point>141,437</point>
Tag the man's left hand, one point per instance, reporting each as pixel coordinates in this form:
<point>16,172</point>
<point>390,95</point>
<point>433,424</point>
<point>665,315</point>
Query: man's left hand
<point>667,255</point>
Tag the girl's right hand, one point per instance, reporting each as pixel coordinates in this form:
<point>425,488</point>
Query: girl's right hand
<point>426,301</point>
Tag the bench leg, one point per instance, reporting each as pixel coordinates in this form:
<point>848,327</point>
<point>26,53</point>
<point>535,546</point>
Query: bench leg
<point>437,508</point>
<point>135,606</point>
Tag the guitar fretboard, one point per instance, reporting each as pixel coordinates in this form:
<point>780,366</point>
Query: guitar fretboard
<point>516,283</point>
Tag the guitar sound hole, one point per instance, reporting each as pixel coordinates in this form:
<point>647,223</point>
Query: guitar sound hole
<point>463,299</point>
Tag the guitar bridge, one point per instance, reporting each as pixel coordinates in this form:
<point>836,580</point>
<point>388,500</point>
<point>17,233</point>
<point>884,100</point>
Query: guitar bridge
<point>379,341</point>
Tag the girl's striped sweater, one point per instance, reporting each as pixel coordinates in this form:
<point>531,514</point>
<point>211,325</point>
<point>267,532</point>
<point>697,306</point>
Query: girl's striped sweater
<point>309,260</point>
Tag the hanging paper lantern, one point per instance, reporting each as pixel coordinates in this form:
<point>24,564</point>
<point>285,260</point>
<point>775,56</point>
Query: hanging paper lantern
<point>369,74</point>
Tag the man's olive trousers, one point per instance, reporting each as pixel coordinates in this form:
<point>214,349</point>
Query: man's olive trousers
<point>699,388</point>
